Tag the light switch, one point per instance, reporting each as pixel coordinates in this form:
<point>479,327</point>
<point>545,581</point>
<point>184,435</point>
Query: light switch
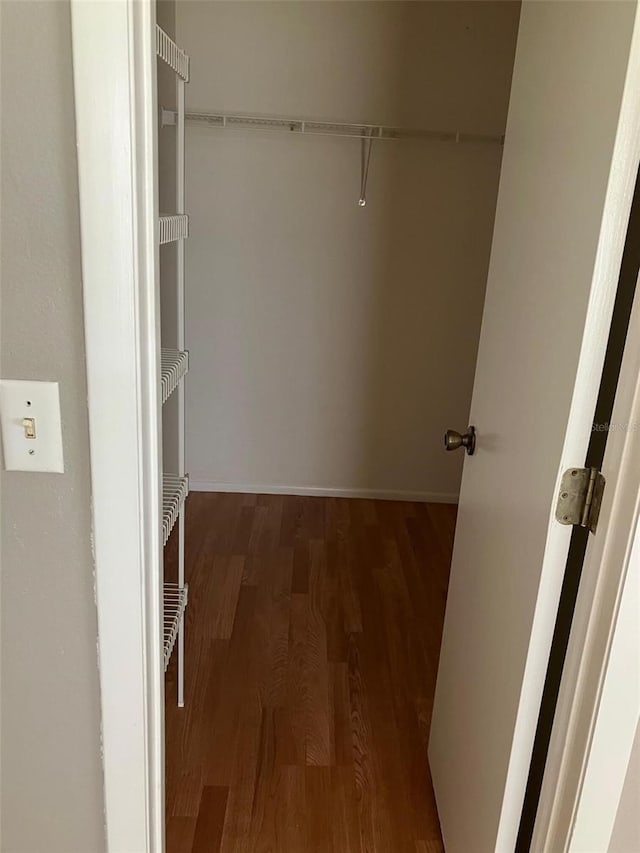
<point>31,428</point>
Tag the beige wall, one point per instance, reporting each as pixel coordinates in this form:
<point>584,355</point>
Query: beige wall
<point>332,345</point>
<point>52,796</point>
<point>626,830</point>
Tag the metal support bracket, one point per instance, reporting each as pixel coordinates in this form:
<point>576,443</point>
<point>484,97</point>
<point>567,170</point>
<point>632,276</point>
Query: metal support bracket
<point>168,118</point>
<point>580,497</point>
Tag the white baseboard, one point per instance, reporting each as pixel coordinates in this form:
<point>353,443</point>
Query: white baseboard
<point>314,491</point>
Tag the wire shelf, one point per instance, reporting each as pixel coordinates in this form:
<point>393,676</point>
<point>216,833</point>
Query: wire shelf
<point>327,128</point>
<point>169,51</point>
<point>173,227</point>
<point>173,366</point>
<point>174,492</point>
<point>175,603</point>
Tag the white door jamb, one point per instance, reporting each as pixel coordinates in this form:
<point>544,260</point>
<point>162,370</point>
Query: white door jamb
<point>114,66</point>
<point>599,701</point>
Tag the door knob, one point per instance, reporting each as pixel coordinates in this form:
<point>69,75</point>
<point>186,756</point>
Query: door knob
<point>453,440</point>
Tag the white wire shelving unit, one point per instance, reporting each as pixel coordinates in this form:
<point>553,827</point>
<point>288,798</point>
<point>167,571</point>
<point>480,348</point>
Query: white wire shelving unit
<point>170,53</point>
<point>174,493</point>
<point>173,368</point>
<point>174,364</point>
<point>173,226</point>
<point>175,603</point>
<point>314,127</point>
<point>367,134</point>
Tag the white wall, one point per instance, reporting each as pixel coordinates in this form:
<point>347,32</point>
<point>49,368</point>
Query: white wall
<point>332,345</point>
<point>52,787</point>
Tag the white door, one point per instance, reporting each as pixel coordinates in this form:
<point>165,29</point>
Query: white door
<point>570,159</point>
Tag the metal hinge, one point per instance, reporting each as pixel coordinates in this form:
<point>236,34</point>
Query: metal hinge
<point>580,497</point>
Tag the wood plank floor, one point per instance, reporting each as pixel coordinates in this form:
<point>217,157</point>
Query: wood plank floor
<point>312,640</point>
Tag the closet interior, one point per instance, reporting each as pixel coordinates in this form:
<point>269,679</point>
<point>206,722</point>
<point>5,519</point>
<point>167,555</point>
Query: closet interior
<point>339,163</point>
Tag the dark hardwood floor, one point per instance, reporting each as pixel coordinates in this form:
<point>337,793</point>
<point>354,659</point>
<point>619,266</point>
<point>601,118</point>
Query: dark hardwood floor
<point>312,639</point>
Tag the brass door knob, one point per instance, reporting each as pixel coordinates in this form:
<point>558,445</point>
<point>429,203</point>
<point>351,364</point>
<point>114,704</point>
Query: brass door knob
<point>453,440</point>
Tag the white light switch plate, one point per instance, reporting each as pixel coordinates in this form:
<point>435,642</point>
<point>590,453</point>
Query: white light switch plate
<point>38,400</point>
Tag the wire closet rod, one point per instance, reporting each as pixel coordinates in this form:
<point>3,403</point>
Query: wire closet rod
<point>324,128</point>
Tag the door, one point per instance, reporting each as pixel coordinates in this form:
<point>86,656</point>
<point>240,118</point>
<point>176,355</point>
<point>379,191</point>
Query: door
<point>570,158</point>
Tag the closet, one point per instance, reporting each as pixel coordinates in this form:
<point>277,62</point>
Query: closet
<point>342,166</point>
<point>342,171</point>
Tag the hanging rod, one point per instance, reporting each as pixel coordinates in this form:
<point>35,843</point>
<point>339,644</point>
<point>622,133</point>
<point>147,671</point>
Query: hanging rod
<point>325,128</point>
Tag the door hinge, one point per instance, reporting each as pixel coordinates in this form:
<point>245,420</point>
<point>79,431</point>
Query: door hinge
<point>580,497</point>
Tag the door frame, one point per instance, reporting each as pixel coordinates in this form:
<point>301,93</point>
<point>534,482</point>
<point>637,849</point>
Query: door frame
<point>114,65</point>
<point>596,718</point>
<point>116,114</point>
